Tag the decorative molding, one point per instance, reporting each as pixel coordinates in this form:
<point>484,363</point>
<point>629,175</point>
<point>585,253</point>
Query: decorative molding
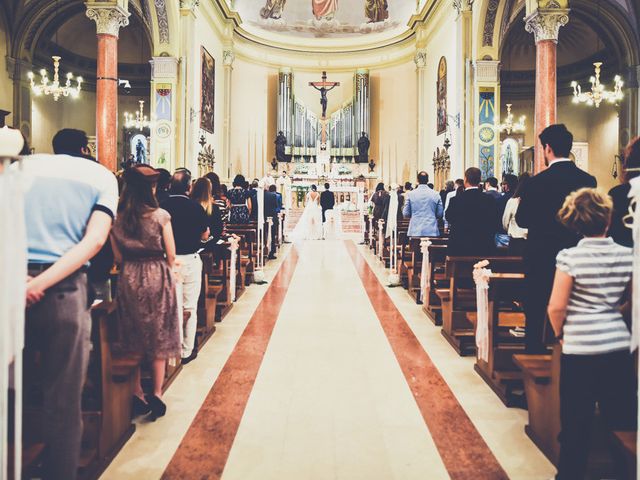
<point>489,23</point>
<point>487,71</point>
<point>163,20</point>
<point>545,23</point>
<point>164,68</point>
<point>420,58</point>
<point>17,68</point>
<point>228,58</point>
<point>108,18</point>
<point>463,5</point>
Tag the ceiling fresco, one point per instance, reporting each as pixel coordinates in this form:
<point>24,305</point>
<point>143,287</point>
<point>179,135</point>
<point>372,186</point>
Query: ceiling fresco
<point>326,18</point>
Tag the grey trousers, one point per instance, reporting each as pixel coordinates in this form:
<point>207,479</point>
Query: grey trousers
<point>59,327</point>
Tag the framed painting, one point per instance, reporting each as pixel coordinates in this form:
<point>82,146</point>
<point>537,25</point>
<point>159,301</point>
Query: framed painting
<point>442,96</point>
<point>208,89</point>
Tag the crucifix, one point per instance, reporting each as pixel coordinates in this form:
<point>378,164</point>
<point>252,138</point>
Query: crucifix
<point>323,87</point>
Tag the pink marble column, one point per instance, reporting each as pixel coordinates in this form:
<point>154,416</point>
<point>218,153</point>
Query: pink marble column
<point>546,94</point>
<point>545,25</point>
<point>107,101</point>
<point>110,16</point>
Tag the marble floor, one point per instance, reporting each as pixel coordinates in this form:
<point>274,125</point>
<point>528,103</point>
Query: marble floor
<point>325,373</point>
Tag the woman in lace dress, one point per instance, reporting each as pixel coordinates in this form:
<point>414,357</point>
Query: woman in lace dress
<point>143,245</point>
<point>309,226</point>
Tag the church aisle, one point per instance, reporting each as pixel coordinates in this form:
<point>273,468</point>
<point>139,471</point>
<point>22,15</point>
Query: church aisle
<point>331,397</point>
<point>330,400</point>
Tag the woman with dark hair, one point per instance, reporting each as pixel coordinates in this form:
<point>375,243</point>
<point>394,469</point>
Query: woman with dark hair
<point>239,201</point>
<point>517,235</point>
<point>143,245</point>
<point>380,201</point>
<point>201,194</point>
<point>620,233</point>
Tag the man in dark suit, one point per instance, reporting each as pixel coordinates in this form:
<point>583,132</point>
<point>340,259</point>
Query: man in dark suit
<point>327,201</point>
<point>271,210</point>
<point>472,218</point>
<point>538,210</point>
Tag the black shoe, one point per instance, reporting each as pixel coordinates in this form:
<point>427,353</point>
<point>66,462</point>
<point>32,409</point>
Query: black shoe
<point>158,407</point>
<point>140,407</point>
<point>190,358</point>
<point>272,257</point>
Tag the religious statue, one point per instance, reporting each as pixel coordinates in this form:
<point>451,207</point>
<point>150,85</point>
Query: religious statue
<point>363,148</point>
<point>141,153</point>
<point>323,87</point>
<point>274,163</point>
<point>324,9</point>
<point>372,166</point>
<point>273,9</point>
<point>376,10</point>
<point>281,143</point>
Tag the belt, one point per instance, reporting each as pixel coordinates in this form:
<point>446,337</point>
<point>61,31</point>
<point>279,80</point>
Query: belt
<point>240,205</point>
<point>41,267</point>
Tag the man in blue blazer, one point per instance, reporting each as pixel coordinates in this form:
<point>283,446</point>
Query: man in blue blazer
<point>424,207</point>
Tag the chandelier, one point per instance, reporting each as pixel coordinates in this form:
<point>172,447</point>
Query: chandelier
<point>598,92</point>
<point>54,88</point>
<point>140,120</point>
<point>509,125</point>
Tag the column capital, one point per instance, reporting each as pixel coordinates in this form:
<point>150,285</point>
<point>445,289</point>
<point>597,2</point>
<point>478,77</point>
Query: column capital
<point>108,15</point>
<point>164,67</point>
<point>545,23</point>
<point>228,58</point>
<point>420,58</point>
<point>189,6</point>
<point>462,5</point>
<point>16,68</point>
<point>487,71</point>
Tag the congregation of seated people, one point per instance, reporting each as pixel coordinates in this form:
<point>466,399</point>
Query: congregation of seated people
<point>574,250</point>
<point>148,231</point>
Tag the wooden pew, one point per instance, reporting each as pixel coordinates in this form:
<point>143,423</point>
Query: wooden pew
<point>498,370</point>
<point>432,305</point>
<point>459,300</point>
<point>626,442</point>
<point>106,400</point>
<point>208,301</point>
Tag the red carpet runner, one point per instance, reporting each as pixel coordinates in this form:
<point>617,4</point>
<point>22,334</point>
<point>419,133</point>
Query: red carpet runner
<point>204,450</point>
<point>462,449</point>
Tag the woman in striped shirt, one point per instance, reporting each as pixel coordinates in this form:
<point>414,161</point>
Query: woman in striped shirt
<point>591,285</point>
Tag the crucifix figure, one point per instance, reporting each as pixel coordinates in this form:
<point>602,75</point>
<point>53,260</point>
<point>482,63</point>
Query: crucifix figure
<point>323,87</point>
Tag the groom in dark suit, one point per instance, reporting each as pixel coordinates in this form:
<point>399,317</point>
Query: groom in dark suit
<point>539,205</point>
<point>327,201</point>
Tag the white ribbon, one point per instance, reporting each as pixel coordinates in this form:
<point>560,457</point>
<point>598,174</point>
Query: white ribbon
<point>481,276</point>
<point>233,248</point>
<point>13,277</point>
<point>281,227</point>
<point>260,253</point>
<point>380,238</point>
<point>425,271</point>
<point>634,195</point>
<point>392,215</point>
<point>269,231</point>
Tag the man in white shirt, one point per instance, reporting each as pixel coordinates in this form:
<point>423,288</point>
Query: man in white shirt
<point>69,208</point>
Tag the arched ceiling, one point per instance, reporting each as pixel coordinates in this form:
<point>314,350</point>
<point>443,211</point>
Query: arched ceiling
<point>295,21</point>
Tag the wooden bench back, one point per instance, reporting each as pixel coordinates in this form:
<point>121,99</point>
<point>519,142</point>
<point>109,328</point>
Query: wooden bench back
<point>459,270</point>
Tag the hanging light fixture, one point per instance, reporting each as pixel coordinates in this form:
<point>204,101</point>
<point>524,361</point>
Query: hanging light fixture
<point>139,120</point>
<point>55,88</point>
<point>509,125</point>
<point>598,93</point>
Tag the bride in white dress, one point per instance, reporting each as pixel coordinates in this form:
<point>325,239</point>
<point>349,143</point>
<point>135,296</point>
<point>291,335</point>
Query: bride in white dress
<point>309,226</point>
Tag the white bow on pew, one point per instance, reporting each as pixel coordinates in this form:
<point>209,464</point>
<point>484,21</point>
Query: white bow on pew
<point>425,271</point>
<point>392,234</point>
<point>481,276</point>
